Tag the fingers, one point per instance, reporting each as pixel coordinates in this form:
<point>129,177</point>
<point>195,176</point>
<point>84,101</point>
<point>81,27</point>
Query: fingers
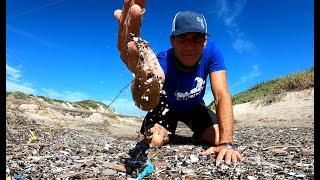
<point>159,136</point>
<point>141,3</point>
<point>207,152</point>
<point>227,157</point>
<point>117,14</point>
<point>135,20</point>
<point>125,9</point>
<point>130,22</point>
<point>220,156</point>
<point>234,158</point>
<point>238,155</point>
<point>131,25</point>
<point>121,17</point>
<point>127,6</point>
<point>129,54</point>
<point>130,59</point>
<point>132,48</point>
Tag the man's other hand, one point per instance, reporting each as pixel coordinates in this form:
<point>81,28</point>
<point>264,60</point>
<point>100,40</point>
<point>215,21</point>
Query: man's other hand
<point>229,155</point>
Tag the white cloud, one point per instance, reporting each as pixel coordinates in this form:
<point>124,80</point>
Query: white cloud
<point>12,73</point>
<point>228,11</point>
<point>64,95</point>
<point>241,45</point>
<point>12,86</point>
<point>29,36</point>
<point>14,83</point>
<point>255,72</point>
<point>74,96</point>
<point>51,93</point>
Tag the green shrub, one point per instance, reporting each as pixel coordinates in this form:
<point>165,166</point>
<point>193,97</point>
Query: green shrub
<point>20,95</point>
<point>271,91</point>
<point>86,104</point>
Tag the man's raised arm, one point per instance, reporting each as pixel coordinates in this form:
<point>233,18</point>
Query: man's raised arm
<point>138,56</point>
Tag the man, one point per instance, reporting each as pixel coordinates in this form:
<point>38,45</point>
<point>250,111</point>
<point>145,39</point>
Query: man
<point>172,84</point>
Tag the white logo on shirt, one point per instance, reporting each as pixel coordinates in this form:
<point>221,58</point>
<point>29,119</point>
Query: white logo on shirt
<point>193,92</point>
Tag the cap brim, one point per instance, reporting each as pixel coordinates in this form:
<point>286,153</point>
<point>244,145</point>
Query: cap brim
<point>175,33</point>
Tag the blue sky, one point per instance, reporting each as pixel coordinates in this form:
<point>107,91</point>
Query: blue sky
<point>66,49</point>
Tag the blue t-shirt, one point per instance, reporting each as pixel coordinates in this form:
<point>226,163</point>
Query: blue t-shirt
<point>185,90</point>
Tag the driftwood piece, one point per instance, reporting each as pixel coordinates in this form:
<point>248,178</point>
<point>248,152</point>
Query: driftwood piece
<point>73,174</point>
<point>118,167</point>
<point>284,146</point>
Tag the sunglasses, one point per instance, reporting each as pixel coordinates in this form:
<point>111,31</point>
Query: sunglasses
<point>184,38</point>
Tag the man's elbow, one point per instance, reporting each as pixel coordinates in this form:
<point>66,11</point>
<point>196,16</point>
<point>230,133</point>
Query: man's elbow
<point>223,96</point>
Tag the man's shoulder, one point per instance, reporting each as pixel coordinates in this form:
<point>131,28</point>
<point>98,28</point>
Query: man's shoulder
<point>211,49</point>
<point>210,44</point>
<point>213,57</point>
<point>164,54</point>
<point>163,58</point>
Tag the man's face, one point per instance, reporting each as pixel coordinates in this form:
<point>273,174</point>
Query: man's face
<point>188,47</point>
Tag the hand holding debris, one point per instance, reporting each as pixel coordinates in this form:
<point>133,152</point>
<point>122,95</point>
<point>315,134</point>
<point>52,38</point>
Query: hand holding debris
<point>223,153</point>
<point>138,56</point>
<point>158,136</point>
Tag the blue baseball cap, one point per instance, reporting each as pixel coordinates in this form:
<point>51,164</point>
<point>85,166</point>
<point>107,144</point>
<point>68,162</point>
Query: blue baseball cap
<point>189,21</point>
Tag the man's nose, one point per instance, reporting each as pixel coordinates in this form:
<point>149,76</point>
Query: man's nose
<point>189,44</point>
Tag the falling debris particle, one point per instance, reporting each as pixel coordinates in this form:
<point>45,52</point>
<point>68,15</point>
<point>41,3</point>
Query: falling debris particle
<point>33,136</point>
<point>165,111</point>
<point>163,92</point>
<point>193,158</point>
<point>148,81</point>
<point>146,98</point>
<point>252,178</point>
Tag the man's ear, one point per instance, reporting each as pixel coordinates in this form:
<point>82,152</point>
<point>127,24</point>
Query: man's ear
<point>171,40</point>
<point>205,43</point>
